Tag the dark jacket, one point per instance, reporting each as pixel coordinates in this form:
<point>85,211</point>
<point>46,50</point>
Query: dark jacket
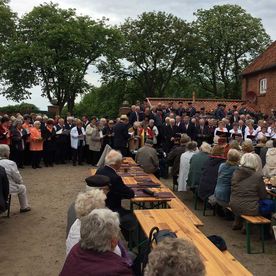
<point>173,158</point>
<point>202,134</point>
<point>4,189</point>
<point>223,187</point>
<point>49,138</point>
<point>18,139</point>
<point>121,135</point>
<point>118,190</point>
<point>196,164</point>
<point>247,189</point>
<point>208,179</point>
<point>168,133</point>
<point>83,262</point>
<point>190,130</point>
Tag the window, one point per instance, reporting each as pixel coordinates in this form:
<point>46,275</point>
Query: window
<point>263,86</point>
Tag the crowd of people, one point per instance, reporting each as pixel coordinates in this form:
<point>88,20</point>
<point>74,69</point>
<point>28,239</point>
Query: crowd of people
<point>221,156</point>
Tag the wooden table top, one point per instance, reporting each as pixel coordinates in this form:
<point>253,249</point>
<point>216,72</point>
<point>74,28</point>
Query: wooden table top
<point>216,262</point>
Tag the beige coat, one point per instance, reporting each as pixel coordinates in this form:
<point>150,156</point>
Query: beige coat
<point>93,138</point>
<point>270,166</point>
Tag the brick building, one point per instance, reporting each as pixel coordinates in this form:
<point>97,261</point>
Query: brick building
<point>259,81</point>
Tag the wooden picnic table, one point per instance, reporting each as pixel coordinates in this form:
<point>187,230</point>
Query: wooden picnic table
<point>216,262</point>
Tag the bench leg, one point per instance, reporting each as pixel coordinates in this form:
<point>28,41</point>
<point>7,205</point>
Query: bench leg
<point>262,236</point>
<point>9,206</point>
<point>248,245</point>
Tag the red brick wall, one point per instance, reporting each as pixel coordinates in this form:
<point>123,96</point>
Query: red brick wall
<point>266,102</point>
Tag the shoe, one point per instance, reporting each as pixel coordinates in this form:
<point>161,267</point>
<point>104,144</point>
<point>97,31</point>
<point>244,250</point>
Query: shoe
<point>51,165</point>
<point>34,167</point>
<point>25,210</point>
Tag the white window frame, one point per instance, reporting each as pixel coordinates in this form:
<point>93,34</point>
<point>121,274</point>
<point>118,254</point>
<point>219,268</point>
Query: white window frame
<point>263,86</point>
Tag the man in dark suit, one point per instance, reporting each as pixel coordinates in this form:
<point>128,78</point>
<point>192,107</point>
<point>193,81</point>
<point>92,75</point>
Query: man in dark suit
<point>188,127</point>
<point>134,115</point>
<point>121,135</point>
<point>118,191</point>
<point>191,111</point>
<point>181,110</point>
<point>202,132</point>
<point>170,131</point>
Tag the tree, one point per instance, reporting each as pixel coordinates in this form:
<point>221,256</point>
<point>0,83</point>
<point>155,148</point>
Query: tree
<point>227,38</point>
<point>153,49</point>
<point>54,48</point>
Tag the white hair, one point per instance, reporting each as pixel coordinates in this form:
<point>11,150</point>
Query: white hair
<point>37,123</point>
<point>4,150</point>
<point>98,229</point>
<point>249,160</point>
<point>205,147</point>
<point>88,201</point>
<point>113,157</point>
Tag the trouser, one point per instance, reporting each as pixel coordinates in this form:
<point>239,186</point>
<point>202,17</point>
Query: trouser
<point>27,154</point>
<point>77,155</point>
<point>94,157</point>
<point>49,156</point>
<point>36,156</point>
<point>61,152</point>
<point>22,196</point>
<point>17,156</point>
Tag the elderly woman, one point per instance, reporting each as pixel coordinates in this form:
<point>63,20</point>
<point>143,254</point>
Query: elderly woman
<point>94,254</point>
<point>184,167</point>
<point>247,147</point>
<point>15,179</point>
<point>36,144</point>
<point>270,166</point>
<point>225,173</point>
<point>196,163</point>
<point>84,204</point>
<point>49,145</point>
<point>77,136</point>
<point>95,144</point>
<point>18,138</point>
<point>175,257</point>
<point>247,189</point>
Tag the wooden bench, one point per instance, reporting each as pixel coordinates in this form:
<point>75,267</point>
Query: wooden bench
<point>257,220</point>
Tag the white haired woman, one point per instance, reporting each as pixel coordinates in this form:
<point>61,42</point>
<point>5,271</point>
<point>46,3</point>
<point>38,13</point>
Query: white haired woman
<point>94,254</point>
<point>175,257</point>
<point>247,189</point>
<point>15,179</point>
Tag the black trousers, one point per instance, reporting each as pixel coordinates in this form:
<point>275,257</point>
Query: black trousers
<point>94,157</point>
<point>17,156</point>
<point>77,155</point>
<point>35,157</point>
<point>60,154</point>
<point>49,156</point>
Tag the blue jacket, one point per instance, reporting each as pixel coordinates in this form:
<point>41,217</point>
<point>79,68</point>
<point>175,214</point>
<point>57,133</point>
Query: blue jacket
<point>223,187</point>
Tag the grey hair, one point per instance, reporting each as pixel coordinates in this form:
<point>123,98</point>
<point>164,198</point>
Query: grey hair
<point>113,157</point>
<point>175,257</point>
<point>205,147</point>
<point>88,201</point>
<point>98,229</point>
<point>4,150</point>
<point>249,160</point>
<point>37,123</point>
<point>17,122</point>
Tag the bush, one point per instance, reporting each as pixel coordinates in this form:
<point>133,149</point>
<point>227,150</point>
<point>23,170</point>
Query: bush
<point>23,108</point>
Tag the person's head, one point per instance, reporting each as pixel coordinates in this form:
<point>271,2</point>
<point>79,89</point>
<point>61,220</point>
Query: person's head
<point>45,118</point>
<point>167,120</point>
<point>249,160</point>
<point>262,139</point>
<point>114,159</point>
<point>205,147</point>
<point>201,122</point>
<point>5,121</point>
<point>78,123</point>
<point>217,150</point>
<point>149,143</point>
<point>84,118</point>
<point>137,108</point>
<point>50,122</point>
<point>100,230</point>
<point>37,124</point>
<point>88,201</point>
<point>151,122</point>
<point>124,119</point>
<point>61,121</point>
<point>110,123</point>
<point>4,151</point>
<point>175,257</point>
<point>247,146</point>
<point>70,120</point>
<point>18,123</point>
<point>233,157</point>
<point>186,119</point>
<point>235,126</point>
<point>184,139</point>
<point>133,107</point>
<point>172,122</point>
<point>136,125</point>
<point>221,124</point>
<point>191,146</point>
<point>98,181</point>
<point>234,144</point>
<point>178,119</point>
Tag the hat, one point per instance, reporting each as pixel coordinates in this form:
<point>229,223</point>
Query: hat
<point>123,117</point>
<point>97,181</point>
<point>149,142</point>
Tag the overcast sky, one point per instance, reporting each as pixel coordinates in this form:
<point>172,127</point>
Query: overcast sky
<point>117,11</point>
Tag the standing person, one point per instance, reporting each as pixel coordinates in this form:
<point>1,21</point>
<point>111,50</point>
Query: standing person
<point>152,132</point>
<point>27,125</point>
<point>188,127</point>
<point>77,135</point>
<point>95,144</point>
<point>15,179</point>
<point>191,111</point>
<point>108,134</point>
<point>121,135</point>
<point>36,145</point>
<point>68,126</point>
<point>61,141</point>
<point>5,134</point>
<point>202,132</point>
<point>88,135</point>
<point>18,137</point>
<point>184,167</point>
<point>49,145</point>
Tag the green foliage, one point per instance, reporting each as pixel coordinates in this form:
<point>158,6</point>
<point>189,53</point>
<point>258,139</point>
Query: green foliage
<point>154,48</point>
<point>227,39</point>
<point>23,108</point>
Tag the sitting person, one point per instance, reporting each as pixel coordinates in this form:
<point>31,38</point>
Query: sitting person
<point>184,167</point>
<point>270,166</point>
<point>147,158</point>
<point>4,190</point>
<point>196,163</point>
<point>15,179</point>
<point>209,175</point>
<point>100,182</point>
<point>247,189</point>
<point>94,254</point>
<point>175,257</point>
<point>173,158</point>
<point>225,173</point>
<point>247,147</point>
<point>263,151</point>
<point>118,191</point>
<point>84,204</point>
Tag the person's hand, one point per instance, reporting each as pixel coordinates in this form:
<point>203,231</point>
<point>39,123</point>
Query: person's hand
<point>172,139</point>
